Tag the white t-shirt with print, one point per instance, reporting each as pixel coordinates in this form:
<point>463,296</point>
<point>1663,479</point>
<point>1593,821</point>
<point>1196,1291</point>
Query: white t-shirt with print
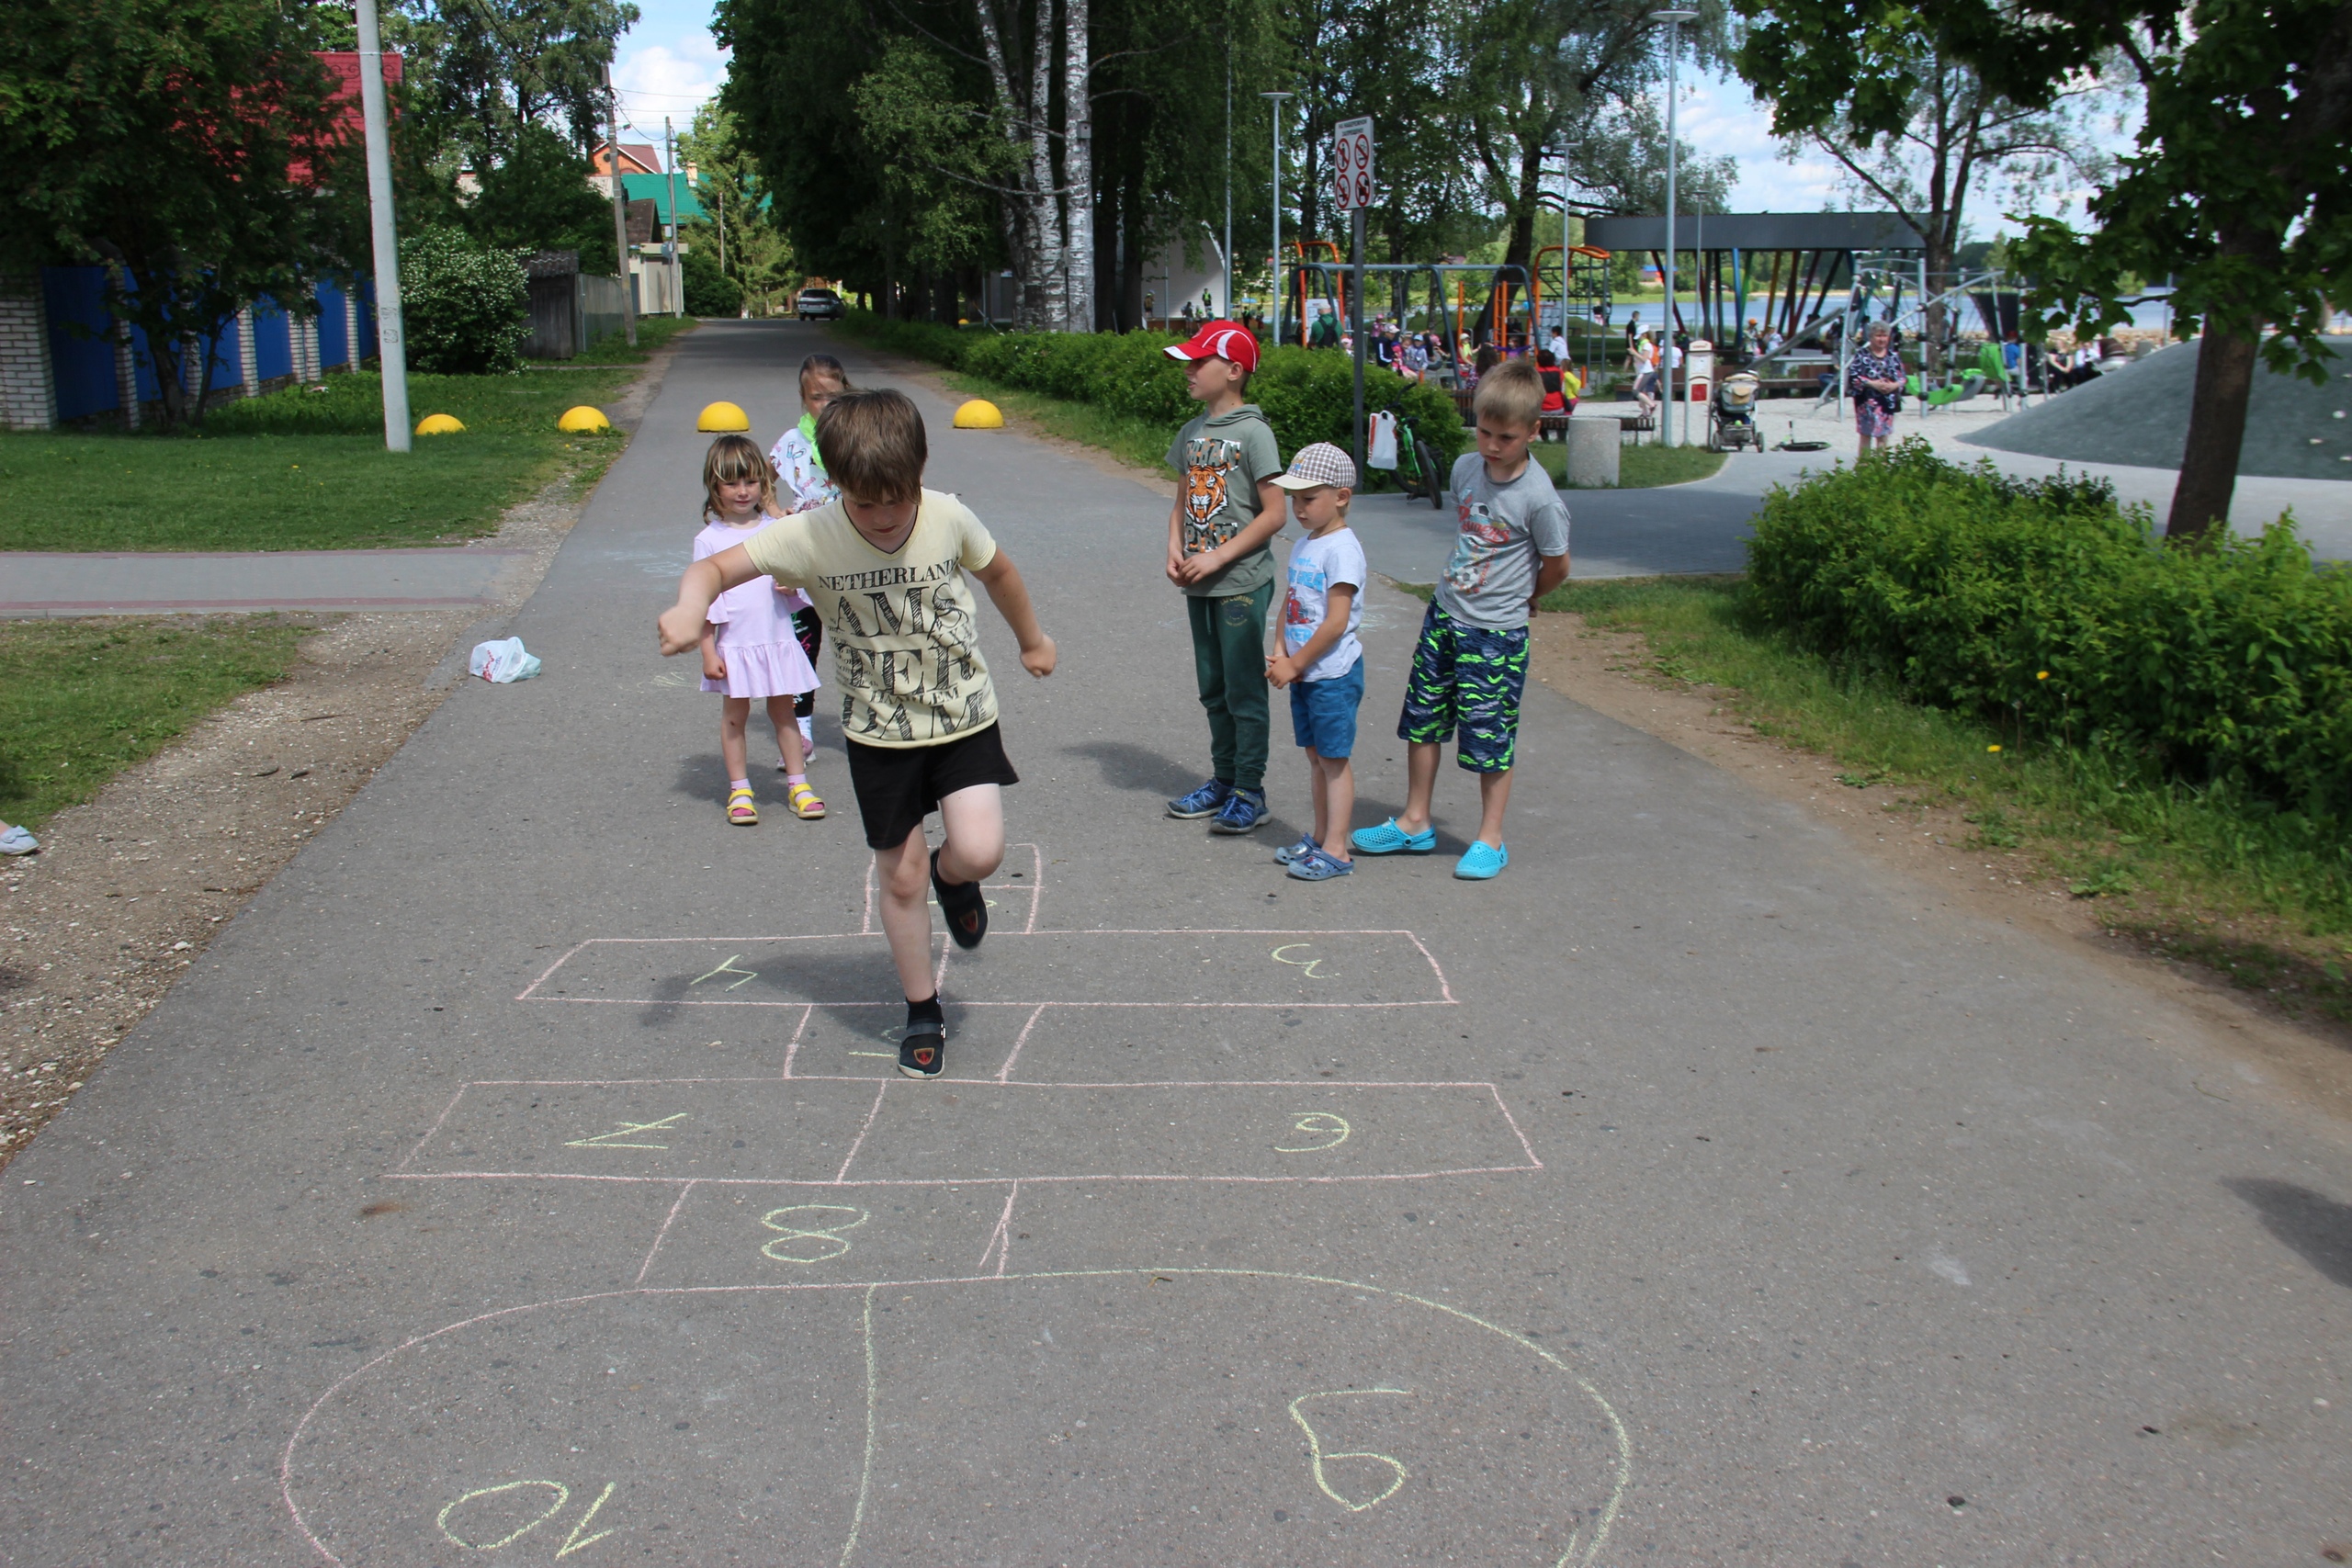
<point>1316,565</point>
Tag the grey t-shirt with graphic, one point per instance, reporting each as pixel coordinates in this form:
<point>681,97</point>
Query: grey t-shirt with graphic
<point>1504,529</point>
<point>1222,457</point>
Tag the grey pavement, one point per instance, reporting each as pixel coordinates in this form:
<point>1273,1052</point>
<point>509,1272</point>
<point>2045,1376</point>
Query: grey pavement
<point>130,583</point>
<point>522,1176</point>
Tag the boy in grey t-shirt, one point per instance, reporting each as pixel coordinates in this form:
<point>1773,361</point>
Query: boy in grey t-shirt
<point>1226,513</point>
<point>1471,662</point>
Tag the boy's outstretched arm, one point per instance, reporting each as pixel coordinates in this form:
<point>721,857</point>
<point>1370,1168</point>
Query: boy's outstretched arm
<point>1011,597</point>
<point>680,626</point>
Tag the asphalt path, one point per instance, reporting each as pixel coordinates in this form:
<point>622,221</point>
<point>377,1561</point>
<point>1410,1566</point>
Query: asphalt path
<point>523,1178</point>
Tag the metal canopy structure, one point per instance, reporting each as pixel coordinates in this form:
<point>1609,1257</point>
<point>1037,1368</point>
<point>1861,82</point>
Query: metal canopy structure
<point>1793,262</point>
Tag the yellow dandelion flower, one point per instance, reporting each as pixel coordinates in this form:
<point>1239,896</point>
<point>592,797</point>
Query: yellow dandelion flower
<point>1991,748</point>
<point>2041,674</point>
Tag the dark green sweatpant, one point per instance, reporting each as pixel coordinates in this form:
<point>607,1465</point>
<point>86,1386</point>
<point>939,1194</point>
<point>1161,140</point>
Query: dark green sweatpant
<point>1229,658</point>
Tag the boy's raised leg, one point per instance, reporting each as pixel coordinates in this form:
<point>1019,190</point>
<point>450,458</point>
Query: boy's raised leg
<point>974,819</point>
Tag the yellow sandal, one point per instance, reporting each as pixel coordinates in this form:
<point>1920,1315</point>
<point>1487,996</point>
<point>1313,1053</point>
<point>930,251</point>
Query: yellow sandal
<point>740,810</point>
<point>804,803</point>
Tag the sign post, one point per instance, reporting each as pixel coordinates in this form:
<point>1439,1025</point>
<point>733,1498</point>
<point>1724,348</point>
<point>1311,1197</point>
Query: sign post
<point>1351,194</point>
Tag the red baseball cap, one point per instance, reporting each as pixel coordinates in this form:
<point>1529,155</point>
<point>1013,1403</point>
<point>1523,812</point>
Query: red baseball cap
<point>1220,340</point>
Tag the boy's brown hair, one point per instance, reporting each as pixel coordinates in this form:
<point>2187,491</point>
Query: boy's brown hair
<point>874,445</point>
<point>731,460</point>
<point>1512,391</point>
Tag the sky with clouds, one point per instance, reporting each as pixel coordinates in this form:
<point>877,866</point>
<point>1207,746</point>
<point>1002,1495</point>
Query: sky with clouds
<point>668,64</point>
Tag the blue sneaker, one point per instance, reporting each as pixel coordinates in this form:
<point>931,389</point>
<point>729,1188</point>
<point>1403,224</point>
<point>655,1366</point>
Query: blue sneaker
<point>1298,851</point>
<point>1390,840</point>
<point>1318,866</point>
<point>1242,811</point>
<point>1206,801</point>
<point>1482,860</point>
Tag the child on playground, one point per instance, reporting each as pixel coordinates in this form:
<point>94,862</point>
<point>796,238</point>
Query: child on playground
<point>800,468</point>
<point>748,647</point>
<point>1470,661</point>
<point>1226,513</point>
<point>885,564</point>
<point>1321,659</point>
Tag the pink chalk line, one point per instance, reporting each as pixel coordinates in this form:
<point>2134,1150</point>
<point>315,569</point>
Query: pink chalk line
<point>667,1221</point>
<point>872,1110</point>
<point>948,1181</point>
<point>1004,1073</point>
<point>1001,1237</point>
<point>792,1048</point>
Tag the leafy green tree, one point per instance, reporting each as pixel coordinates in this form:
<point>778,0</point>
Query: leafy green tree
<point>465,309</point>
<point>539,199</point>
<point>738,228</point>
<point>1957,137</point>
<point>2238,187</point>
<point>709,291</point>
<point>487,69</point>
<point>187,145</point>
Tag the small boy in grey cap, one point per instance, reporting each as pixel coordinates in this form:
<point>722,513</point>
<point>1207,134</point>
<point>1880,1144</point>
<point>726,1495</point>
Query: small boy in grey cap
<point>1321,659</point>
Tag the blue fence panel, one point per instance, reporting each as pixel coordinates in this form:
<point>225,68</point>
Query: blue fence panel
<point>273,349</point>
<point>334,346</point>
<point>84,364</point>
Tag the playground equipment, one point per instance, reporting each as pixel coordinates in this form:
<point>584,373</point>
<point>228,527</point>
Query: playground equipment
<point>1583,300</point>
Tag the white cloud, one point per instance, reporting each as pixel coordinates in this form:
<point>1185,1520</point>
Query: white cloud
<point>667,65</point>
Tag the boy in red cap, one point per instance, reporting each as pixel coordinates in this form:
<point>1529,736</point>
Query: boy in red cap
<point>1228,511</point>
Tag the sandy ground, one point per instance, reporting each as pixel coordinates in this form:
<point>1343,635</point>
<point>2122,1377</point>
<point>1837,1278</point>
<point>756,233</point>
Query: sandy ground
<point>2305,1062</point>
<point>128,889</point>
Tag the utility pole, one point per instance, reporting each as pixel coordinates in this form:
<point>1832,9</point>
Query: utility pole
<point>391,348</point>
<point>1673,20</point>
<point>1274,332</point>
<point>1351,156</point>
<point>620,208</point>
<point>1228,163</point>
<point>670,242</point>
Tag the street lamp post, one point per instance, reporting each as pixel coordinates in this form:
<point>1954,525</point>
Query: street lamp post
<point>1275,332</point>
<point>1673,18</point>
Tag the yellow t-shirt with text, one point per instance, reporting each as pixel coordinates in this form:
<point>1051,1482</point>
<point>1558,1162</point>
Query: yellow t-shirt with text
<point>906,648</point>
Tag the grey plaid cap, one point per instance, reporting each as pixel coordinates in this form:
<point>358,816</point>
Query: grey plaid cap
<point>1321,464</point>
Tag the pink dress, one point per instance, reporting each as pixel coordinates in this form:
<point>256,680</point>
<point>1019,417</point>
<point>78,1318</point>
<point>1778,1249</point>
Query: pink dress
<point>763,658</point>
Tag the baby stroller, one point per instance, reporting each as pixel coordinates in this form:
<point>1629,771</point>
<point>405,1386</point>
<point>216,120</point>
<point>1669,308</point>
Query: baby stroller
<point>1732,413</point>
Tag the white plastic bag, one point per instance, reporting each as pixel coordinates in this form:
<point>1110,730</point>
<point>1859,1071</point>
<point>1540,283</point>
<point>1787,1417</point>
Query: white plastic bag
<point>1384,442</point>
<point>502,660</point>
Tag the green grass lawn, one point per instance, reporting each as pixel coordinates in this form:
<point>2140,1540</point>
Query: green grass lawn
<point>2259,898</point>
<point>1639,468</point>
<point>79,701</point>
<point>306,469</point>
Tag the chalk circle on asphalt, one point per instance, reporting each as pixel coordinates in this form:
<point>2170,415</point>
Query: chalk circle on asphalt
<point>978,413</point>
<point>439,424</point>
<point>583,420</point>
<point>1250,1417</point>
<point>723,416</point>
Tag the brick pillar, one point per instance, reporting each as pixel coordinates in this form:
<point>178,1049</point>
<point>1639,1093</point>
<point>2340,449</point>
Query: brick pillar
<point>248,360</point>
<point>28,379</point>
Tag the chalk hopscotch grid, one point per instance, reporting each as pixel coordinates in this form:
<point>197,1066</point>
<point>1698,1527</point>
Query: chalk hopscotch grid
<point>1621,1479</point>
<point>840,1178</point>
<point>1445,997</point>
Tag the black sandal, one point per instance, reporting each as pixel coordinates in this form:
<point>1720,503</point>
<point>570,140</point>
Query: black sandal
<point>965,907</point>
<point>923,1054</point>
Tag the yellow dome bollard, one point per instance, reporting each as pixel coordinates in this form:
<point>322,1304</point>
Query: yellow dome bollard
<point>979,414</point>
<point>439,424</point>
<point>582,421</point>
<point>723,416</point>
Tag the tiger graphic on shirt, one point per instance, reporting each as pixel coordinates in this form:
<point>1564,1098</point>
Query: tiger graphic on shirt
<point>1210,463</point>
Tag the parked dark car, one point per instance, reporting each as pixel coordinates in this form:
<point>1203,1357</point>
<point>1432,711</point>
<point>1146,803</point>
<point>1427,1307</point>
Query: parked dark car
<point>814,303</point>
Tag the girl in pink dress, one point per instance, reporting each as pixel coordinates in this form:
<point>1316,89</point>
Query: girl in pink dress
<point>748,649</point>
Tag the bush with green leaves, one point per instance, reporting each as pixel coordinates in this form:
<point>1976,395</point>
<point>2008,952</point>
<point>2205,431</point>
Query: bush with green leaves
<point>465,306</point>
<point>2046,604</point>
<point>709,292</point>
<point>1308,394</point>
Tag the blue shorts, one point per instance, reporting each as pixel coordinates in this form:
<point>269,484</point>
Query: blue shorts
<point>1323,713</point>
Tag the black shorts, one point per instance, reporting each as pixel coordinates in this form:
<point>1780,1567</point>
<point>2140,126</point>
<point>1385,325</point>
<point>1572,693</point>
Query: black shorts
<point>898,786</point>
